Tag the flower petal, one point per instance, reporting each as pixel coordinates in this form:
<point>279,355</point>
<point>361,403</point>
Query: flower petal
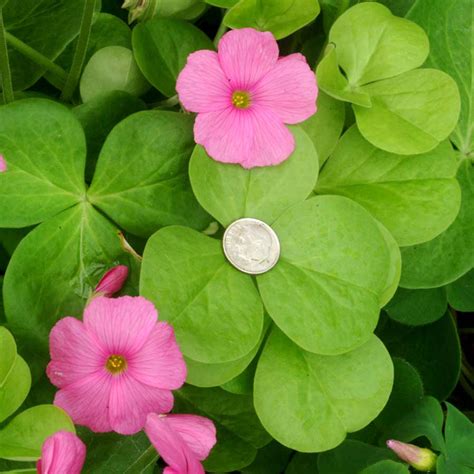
<point>171,447</point>
<point>121,325</point>
<point>86,401</point>
<point>131,401</point>
<point>289,89</point>
<point>74,354</point>
<point>246,55</point>
<point>159,363</point>
<point>62,453</point>
<point>202,85</point>
<point>3,164</point>
<point>198,432</point>
<point>252,137</point>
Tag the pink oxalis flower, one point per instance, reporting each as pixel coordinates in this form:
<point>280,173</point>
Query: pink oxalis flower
<point>112,281</point>
<point>244,95</point>
<point>3,164</point>
<point>115,367</point>
<point>181,440</point>
<point>62,453</point>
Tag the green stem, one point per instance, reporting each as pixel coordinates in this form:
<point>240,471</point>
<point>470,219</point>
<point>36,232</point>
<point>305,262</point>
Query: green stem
<point>220,32</point>
<point>80,53</point>
<point>5,72</point>
<point>35,56</point>
<point>166,103</point>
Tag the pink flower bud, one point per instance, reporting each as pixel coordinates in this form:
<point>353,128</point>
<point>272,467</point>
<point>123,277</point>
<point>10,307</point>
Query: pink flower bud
<point>421,459</point>
<point>112,281</point>
<point>3,164</point>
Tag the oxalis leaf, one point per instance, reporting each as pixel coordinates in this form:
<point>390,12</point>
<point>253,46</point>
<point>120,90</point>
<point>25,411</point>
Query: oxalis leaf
<point>398,108</point>
<point>449,25</point>
<point>141,178</point>
<point>15,378</point>
<point>62,260</point>
<point>323,397</point>
<point>239,431</point>
<point>415,197</point>
<point>281,17</point>
<point>44,148</point>
<point>451,254</point>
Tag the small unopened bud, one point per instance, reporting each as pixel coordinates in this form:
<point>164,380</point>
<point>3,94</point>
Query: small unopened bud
<point>112,281</point>
<point>421,459</point>
<point>3,164</point>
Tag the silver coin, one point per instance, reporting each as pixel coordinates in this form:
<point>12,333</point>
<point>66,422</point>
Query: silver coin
<point>251,246</point>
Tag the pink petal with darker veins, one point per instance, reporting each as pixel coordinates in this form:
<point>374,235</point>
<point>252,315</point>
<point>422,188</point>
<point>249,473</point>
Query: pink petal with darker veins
<point>87,401</point>
<point>246,55</point>
<point>159,363</point>
<point>121,325</point>
<point>171,446</point>
<point>251,137</point>
<point>289,89</point>
<point>202,85</point>
<point>74,354</point>
<point>198,432</point>
<point>131,401</point>
<point>62,453</point>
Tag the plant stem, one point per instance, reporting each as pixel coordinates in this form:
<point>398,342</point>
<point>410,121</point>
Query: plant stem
<point>80,53</point>
<point>220,32</point>
<point>166,103</point>
<point>35,56</point>
<point>5,72</point>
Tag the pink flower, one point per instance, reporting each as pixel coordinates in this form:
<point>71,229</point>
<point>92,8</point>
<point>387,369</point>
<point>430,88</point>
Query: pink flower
<point>3,164</point>
<point>62,453</point>
<point>181,440</point>
<point>244,94</point>
<point>112,281</point>
<point>115,367</point>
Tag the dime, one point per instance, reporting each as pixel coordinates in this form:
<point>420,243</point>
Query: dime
<point>251,246</point>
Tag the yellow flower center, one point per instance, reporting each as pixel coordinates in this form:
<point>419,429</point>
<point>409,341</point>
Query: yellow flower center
<point>241,99</point>
<point>116,364</point>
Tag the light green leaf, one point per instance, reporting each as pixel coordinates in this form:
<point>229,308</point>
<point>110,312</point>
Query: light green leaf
<point>243,383</point>
<point>415,197</point>
<point>45,25</point>
<point>451,254</point>
<point>8,354</point>
<point>324,292</point>
<point>123,454</point>
<point>333,82</point>
<point>417,307</point>
<point>161,47</point>
<point>239,432</point>
<point>22,438</point>
<point>112,68</point>
<point>15,388</point>
<point>62,260</point>
<point>425,347</point>
<point>411,113</point>
<point>322,398</point>
<point>449,25</point>
<point>461,293</point>
<point>99,116</point>
<point>280,17</point>
<point>372,44</point>
<point>213,375</point>
<point>44,147</point>
<point>325,127</point>
<point>229,192</point>
<point>215,310</point>
<point>141,180</point>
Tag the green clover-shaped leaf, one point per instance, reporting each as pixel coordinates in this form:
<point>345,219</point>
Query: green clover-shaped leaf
<point>461,293</point>
<point>322,397</point>
<point>415,197</point>
<point>398,108</point>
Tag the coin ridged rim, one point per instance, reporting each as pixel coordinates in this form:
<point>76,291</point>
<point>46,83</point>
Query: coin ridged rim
<point>273,236</point>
